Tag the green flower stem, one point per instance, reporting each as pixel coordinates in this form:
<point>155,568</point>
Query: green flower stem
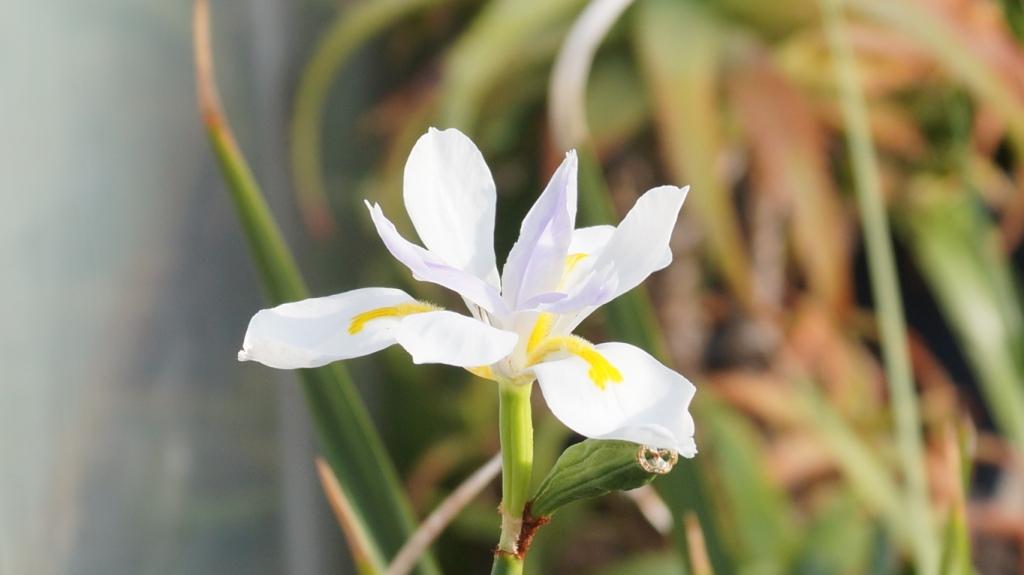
<point>516,432</point>
<point>507,565</point>
<point>884,287</point>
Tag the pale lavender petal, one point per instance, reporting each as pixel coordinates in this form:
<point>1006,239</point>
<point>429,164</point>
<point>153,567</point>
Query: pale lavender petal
<point>426,266</point>
<point>541,300</point>
<point>596,289</point>
<point>635,249</point>
<point>537,260</point>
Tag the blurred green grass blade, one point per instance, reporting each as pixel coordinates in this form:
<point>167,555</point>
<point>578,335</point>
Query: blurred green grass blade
<point>352,28</point>
<point>1013,10</point>
<point>958,556</point>
<point>364,551</point>
<point>866,474</point>
<point>493,46</point>
<point>350,443</point>
<point>760,524</point>
<point>617,108</point>
<point>837,540</point>
<point>679,46</point>
<point>958,251</point>
<point>655,563</point>
<point>884,289</point>
<point>631,319</point>
<point>772,19</point>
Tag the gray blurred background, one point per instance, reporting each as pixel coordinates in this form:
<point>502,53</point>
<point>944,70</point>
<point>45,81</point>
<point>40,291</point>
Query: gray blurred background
<point>130,439</point>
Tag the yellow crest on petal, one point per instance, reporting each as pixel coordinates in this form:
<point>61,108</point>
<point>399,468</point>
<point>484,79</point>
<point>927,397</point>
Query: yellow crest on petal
<point>601,370</point>
<point>571,261</point>
<point>401,310</point>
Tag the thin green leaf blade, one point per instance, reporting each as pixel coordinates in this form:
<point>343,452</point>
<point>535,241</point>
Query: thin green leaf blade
<point>351,445</point>
<point>957,249</point>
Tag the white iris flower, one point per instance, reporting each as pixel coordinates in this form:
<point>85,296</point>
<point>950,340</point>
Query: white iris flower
<point>520,324</point>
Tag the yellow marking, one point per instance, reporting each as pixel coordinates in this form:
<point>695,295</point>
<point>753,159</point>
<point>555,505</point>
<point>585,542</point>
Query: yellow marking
<point>541,330</point>
<point>545,320</point>
<point>484,371</point>
<point>601,370</point>
<point>571,261</point>
<point>542,343</point>
<point>400,310</point>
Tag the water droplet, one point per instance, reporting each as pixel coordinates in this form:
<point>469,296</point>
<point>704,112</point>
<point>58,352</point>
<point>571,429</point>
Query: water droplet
<point>657,461</point>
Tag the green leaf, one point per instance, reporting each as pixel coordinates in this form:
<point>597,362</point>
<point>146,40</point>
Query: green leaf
<point>659,563</point>
<point>759,518</point>
<point>617,107</point>
<point>860,464</point>
<point>881,260</point>
<point>1013,11</point>
<point>956,558</point>
<point>837,540</point>
<point>349,441</point>
<point>957,249</point>
<point>590,469</point>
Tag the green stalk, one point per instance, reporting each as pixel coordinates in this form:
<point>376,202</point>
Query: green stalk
<point>348,439</point>
<point>973,282</point>
<point>507,565</point>
<point>516,432</point>
<point>885,289</point>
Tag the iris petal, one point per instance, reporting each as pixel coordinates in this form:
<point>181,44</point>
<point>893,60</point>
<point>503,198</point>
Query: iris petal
<point>452,339</point>
<point>449,194</point>
<point>623,257</point>
<point>427,266</point>
<point>316,331</point>
<point>648,406</point>
<point>537,260</point>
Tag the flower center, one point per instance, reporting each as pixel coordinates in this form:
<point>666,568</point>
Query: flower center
<point>541,344</point>
<point>400,310</point>
<point>541,330</point>
<point>601,370</point>
<point>570,263</point>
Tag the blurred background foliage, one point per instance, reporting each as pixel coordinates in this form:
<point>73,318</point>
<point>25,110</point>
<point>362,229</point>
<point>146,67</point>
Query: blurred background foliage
<point>767,306</point>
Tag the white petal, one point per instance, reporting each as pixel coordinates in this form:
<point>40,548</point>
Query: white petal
<point>592,241</point>
<point>537,260</point>
<point>315,332</point>
<point>452,339</point>
<point>427,266</point>
<point>638,247</point>
<point>449,194</point>
<point>649,406</point>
